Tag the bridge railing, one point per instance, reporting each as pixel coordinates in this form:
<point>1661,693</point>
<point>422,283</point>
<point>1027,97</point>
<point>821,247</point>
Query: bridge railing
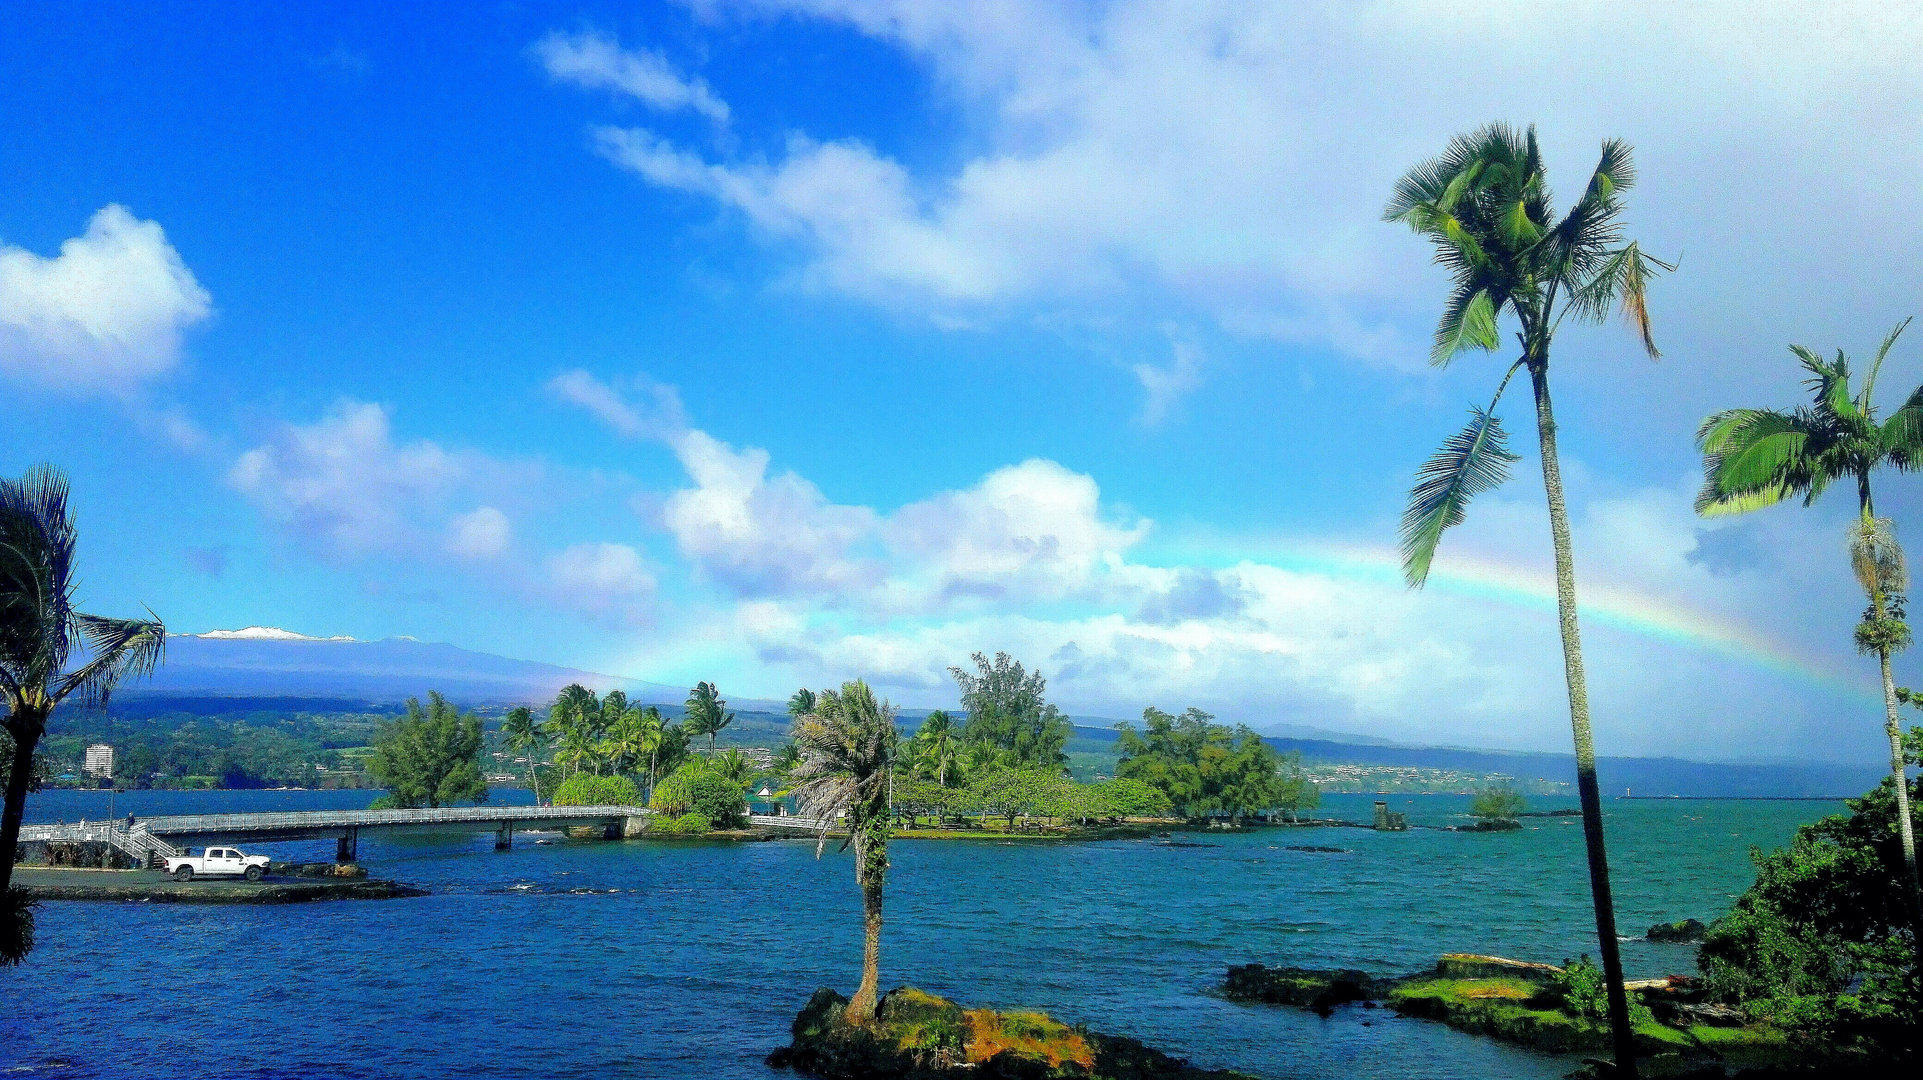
<point>188,824</point>
<point>138,841</point>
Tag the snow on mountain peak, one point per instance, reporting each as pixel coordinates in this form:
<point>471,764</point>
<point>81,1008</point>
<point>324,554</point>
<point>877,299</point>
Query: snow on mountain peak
<point>263,633</point>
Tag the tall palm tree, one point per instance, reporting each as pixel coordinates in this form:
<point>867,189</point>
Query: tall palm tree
<point>653,734</point>
<point>523,734</point>
<point>628,740</point>
<point>40,632</point>
<point>1754,458</point>
<point>1485,205</point>
<point>938,745</point>
<point>847,746</point>
<point>576,745</point>
<point>707,713</point>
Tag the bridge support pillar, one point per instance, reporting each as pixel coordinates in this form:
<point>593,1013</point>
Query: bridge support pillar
<point>504,836</point>
<point>633,826</point>
<point>347,848</point>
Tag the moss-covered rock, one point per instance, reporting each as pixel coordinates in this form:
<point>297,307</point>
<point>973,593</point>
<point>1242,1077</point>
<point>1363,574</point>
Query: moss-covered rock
<point>1684,931</point>
<point>1310,988</point>
<point>918,1036</point>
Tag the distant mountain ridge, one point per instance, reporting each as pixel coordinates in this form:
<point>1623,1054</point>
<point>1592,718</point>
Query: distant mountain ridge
<point>269,663</point>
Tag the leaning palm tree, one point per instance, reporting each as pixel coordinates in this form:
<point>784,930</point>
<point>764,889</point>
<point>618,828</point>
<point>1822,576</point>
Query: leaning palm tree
<point>847,749</point>
<point>1754,458</point>
<point>1485,205</point>
<point>523,734</point>
<point>40,633</point>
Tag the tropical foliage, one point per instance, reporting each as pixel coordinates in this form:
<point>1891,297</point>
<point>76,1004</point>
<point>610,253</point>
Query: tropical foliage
<point>707,713</point>
<point>848,746</point>
<point>1822,944</point>
<point>696,787</point>
<point>1484,205</point>
<point>1006,712</point>
<point>586,790</point>
<point>430,756</point>
<point>1497,802</point>
<point>1753,458</point>
<point>1207,769</point>
<point>49,653</point>
<point>524,736</point>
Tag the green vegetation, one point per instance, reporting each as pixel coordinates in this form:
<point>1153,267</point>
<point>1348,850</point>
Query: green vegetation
<point>1206,769</point>
<point>692,823</point>
<point>1821,945</point>
<point>39,633</point>
<point>848,746</point>
<point>1008,721</point>
<point>1754,458</point>
<point>523,735</point>
<point>697,788</point>
<point>914,1034</point>
<point>429,757</point>
<point>707,713</point>
<point>597,791</point>
<point>1484,205</point>
<point>1497,803</point>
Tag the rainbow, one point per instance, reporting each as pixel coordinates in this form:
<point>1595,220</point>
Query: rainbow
<point>1621,609</point>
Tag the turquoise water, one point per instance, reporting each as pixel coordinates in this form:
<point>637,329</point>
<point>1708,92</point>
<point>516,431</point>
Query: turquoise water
<point>599,959</point>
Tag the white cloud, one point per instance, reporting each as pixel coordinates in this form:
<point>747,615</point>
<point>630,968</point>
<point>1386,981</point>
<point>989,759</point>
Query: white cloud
<point>481,534</point>
<point>342,484</point>
<point>1166,386</point>
<point>106,314</point>
<point>662,417</point>
<point>1233,158</point>
<point>597,61</point>
<point>606,580</point>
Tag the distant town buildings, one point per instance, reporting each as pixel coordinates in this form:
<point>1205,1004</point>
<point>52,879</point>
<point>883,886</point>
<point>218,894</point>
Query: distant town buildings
<point>99,761</point>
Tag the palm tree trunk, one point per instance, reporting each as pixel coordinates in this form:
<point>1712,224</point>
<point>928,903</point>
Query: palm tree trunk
<point>1621,1037</point>
<point>1903,827</point>
<point>861,1008</point>
<point>18,778</point>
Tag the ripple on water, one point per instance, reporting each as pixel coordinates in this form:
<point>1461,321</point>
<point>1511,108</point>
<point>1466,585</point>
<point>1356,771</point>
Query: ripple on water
<point>590,959</point>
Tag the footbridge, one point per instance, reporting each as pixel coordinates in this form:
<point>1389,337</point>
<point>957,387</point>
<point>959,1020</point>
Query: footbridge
<point>149,836</point>
<point>783,821</point>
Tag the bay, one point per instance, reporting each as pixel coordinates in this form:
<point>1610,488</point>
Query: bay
<point>664,959</point>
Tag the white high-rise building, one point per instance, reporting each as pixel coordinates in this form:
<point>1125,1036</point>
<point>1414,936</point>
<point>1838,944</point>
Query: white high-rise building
<point>99,761</point>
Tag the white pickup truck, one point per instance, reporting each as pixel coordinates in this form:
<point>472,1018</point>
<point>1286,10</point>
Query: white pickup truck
<point>218,861</point>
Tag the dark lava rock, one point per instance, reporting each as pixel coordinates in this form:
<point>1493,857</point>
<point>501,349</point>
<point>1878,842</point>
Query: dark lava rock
<point>918,1036</point>
<point>1686,930</point>
<point>1314,847</point>
<point>1306,987</point>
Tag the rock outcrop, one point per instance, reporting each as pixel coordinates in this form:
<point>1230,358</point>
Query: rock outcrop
<point>918,1036</point>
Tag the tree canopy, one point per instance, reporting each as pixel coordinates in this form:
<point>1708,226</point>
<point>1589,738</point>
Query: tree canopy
<point>1006,711</point>
<point>1207,768</point>
<point>431,756</point>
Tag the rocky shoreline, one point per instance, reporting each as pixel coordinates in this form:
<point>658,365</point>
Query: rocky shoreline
<point>1528,1004</point>
<point>918,1036</point>
<point>152,887</point>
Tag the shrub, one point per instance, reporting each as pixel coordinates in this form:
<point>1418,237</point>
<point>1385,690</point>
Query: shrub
<point>1498,802</point>
<point>583,790</point>
<point>694,788</point>
<point>1127,797</point>
<point>688,824</point>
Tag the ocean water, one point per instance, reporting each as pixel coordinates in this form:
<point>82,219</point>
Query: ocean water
<point>637,959</point>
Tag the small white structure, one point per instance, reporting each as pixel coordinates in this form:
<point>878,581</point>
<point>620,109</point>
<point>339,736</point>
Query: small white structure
<point>99,761</point>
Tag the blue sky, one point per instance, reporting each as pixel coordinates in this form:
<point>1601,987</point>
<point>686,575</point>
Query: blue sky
<point>783,343</point>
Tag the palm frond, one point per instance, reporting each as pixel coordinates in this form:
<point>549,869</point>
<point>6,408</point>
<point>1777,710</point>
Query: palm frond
<point>1752,458</point>
<point>1901,436</point>
<point>1474,460</point>
<point>1876,366</point>
<point>1468,322</point>
<point>121,648</point>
